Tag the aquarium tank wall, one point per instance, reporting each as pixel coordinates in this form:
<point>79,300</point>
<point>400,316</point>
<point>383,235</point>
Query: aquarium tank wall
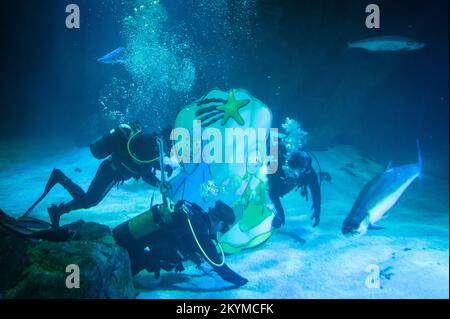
<point>224,149</point>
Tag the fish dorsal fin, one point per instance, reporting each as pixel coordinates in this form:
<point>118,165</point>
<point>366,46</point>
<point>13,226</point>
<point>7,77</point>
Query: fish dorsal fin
<point>389,165</point>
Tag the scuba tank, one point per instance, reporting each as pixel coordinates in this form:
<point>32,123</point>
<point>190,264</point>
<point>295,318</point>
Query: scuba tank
<point>127,135</point>
<point>127,233</point>
<point>99,148</point>
<point>106,144</point>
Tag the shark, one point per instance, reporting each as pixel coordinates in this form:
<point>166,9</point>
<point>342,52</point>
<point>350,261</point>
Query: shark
<point>379,195</point>
<point>387,43</point>
<point>117,56</point>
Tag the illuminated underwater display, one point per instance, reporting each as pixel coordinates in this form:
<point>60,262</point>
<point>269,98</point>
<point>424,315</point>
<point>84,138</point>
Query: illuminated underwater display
<point>224,149</point>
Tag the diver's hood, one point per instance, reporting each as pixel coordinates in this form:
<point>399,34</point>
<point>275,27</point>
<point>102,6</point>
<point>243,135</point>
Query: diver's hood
<point>224,213</point>
<point>144,147</point>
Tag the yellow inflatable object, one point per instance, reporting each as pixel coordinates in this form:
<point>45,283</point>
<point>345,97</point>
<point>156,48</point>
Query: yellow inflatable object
<point>240,185</point>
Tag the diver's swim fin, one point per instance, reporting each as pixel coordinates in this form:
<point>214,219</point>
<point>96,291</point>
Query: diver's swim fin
<point>33,228</point>
<point>52,180</point>
<point>32,224</point>
<point>34,204</point>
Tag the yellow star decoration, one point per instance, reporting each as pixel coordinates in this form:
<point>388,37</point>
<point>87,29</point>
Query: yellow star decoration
<point>231,109</point>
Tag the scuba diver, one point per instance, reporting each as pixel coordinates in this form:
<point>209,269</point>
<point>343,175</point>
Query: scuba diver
<point>297,172</point>
<point>166,235</point>
<point>127,152</point>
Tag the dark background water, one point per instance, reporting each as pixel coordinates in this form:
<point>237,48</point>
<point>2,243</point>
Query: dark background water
<point>296,61</point>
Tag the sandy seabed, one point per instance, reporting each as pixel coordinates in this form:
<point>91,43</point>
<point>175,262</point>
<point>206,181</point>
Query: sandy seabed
<point>298,261</point>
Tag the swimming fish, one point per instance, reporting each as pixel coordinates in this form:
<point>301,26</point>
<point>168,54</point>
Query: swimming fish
<point>379,195</point>
<point>117,56</point>
<point>387,43</point>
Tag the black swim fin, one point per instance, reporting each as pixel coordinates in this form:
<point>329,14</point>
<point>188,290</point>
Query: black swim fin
<point>33,224</point>
<point>33,228</point>
<point>34,204</point>
<point>52,180</point>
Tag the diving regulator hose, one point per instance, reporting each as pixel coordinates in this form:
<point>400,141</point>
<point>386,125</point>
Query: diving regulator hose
<point>132,155</point>
<point>200,246</point>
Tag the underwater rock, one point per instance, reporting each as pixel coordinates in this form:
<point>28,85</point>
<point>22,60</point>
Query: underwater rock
<point>13,259</point>
<point>90,231</point>
<point>32,269</point>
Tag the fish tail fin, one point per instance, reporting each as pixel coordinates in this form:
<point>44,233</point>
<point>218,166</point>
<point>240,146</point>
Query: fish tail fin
<point>419,156</point>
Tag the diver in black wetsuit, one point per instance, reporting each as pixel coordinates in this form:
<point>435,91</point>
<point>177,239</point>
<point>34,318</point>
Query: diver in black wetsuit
<point>296,172</point>
<point>128,152</point>
<point>162,239</point>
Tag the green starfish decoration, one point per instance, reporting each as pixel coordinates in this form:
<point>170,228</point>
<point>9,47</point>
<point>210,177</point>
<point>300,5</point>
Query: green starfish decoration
<point>231,109</point>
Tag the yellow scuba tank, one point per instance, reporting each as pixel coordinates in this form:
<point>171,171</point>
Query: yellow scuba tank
<point>143,224</point>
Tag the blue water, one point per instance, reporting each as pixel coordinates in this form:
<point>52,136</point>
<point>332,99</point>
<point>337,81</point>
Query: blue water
<point>291,55</point>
